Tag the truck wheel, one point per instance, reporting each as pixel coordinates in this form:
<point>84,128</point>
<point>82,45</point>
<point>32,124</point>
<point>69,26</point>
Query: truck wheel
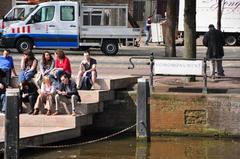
<point>24,44</point>
<point>231,40</point>
<point>110,47</point>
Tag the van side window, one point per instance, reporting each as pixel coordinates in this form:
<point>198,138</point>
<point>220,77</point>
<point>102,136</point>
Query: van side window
<point>67,13</point>
<point>44,14</point>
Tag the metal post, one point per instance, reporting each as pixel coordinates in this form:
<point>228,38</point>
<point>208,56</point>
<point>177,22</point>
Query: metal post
<point>12,125</point>
<point>143,110</point>
<point>151,70</point>
<point>204,90</point>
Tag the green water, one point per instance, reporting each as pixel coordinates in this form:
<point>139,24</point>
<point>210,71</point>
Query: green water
<point>159,148</point>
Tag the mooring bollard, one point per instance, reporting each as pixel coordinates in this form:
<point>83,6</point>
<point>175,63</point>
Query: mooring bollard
<point>205,90</point>
<point>151,70</point>
<point>12,125</point>
<point>143,110</point>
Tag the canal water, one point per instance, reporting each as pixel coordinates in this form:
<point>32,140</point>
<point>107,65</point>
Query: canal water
<point>126,147</point>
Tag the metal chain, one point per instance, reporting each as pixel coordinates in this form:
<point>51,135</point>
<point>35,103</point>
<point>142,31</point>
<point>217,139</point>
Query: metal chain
<point>83,143</point>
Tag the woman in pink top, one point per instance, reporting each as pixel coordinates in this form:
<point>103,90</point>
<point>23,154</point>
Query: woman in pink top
<point>45,97</point>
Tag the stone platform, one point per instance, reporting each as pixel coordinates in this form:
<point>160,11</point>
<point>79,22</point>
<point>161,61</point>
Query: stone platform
<point>41,129</point>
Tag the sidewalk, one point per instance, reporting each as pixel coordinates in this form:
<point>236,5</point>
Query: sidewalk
<point>226,85</point>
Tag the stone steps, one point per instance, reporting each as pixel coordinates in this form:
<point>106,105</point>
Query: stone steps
<point>102,83</point>
<point>43,135</point>
<point>63,121</point>
<point>94,96</point>
<point>92,102</point>
<point>41,129</point>
<point>117,82</point>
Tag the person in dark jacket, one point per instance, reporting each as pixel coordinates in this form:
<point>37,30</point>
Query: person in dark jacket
<point>214,41</point>
<point>67,92</point>
<point>28,93</point>
<point>147,29</point>
<point>3,98</point>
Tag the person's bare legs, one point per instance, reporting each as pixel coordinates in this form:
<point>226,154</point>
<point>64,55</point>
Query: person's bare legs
<point>79,78</point>
<point>94,76</point>
<point>80,75</point>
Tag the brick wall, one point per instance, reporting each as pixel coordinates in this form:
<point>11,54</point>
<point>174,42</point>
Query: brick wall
<point>175,113</point>
<point>5,6</point>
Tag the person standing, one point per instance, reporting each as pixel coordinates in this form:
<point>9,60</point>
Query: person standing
<point>148,30</point>
<point>7,65</point>
<point>214,41</point>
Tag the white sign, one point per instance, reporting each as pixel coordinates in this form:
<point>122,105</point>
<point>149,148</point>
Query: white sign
<point>178,67</point>
<point>157,34</point>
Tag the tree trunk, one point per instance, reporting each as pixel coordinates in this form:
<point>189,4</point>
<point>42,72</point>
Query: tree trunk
<point>170,47</point>
<point>190,31</point>
<point>219,15</point>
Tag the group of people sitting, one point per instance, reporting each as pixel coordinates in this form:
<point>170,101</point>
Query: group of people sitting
<point>52,83</point>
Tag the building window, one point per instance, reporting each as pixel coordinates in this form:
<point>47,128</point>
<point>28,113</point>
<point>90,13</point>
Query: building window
<point>138,10</point>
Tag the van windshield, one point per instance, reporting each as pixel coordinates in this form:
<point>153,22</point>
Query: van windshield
<point>15,14</point>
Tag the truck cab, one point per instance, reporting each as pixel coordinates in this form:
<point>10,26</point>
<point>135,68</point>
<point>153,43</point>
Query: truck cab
<point>16,14</point>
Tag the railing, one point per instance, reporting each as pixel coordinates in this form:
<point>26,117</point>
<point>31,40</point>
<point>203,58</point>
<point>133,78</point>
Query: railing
<point>151,63</point>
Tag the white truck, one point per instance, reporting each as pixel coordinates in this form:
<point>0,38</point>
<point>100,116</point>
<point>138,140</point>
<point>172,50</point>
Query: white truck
<point>16,14</point>
<point>66,24</point>
<point>207,14</point>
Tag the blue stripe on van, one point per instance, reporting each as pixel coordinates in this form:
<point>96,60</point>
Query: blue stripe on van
<point>56,44</point>
<point>50,40</point>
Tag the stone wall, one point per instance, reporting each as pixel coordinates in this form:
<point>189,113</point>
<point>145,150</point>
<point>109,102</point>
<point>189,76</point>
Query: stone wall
<point>176,113</point>
<point>117,114</point>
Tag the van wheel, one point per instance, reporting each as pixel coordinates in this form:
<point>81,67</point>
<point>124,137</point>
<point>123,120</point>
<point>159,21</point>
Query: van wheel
<point>110,47</point>
<point>24,44</point>
<point>231,40</point>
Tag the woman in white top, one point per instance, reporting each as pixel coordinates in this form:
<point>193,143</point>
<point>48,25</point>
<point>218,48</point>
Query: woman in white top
<point>45,97</point>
